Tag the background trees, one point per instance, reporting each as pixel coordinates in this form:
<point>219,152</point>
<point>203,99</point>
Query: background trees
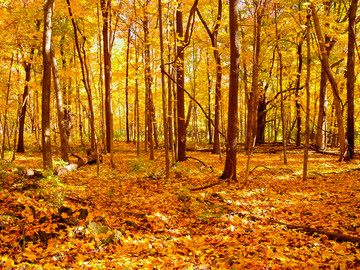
<point>102,40</point>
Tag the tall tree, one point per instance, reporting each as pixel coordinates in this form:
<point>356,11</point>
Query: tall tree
<point>281,88</point>
<point>307,86</point>
<point>334,86</point>
<point>108,42</point>
<point>232,128</point>
<point>59,106</point>
<point>350,73</point>
<point>86,82</point>
<point>213,35</point>
<point>182,42</point>
<point>163,92</point>
<point>46,89</point>
<point>321,133</point>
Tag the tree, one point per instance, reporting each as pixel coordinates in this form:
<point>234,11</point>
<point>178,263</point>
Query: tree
<point>213,35</point>
<point>307,86</point>
<point>108,42</point>
<point>232,128</point>
<point>182,42</point>
<point>59,106</point>
<point>334,86</point>
<point>163,93</point>
<point>350,74</point>
<point>46,90</point>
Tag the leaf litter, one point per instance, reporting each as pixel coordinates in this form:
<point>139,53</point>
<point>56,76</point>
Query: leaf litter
<point>132,218</point>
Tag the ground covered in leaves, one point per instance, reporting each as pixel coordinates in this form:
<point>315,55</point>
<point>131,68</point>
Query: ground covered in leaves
<point>132,218</point>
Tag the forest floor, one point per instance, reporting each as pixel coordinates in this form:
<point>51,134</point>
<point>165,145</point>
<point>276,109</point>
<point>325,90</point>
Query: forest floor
<point>131,217</point>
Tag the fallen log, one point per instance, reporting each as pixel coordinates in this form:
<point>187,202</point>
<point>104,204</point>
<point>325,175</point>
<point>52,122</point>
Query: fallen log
<point>90,159</point>
<point>339,237</point>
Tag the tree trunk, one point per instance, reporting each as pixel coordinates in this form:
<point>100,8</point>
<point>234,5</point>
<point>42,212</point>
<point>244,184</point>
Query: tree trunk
<point>307,85</point>
<point>326,65</point>
<point>181,129</point>
<point>127,86</point>
<point>281,90</point>
<point>351,78</point>
<point>213,35</point>
<point>27,67</point>
<point>148,82</point>
<point>46,89</point>
<point>109,121</point>
<point>233,129</point>
<point>297,95</point>
<point>59,106</point>
<point>86,82</point>
<point>163,92</point>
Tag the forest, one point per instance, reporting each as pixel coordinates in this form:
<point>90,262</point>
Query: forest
<point>180,134</point>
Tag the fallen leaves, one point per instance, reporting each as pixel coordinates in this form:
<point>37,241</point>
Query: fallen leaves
<point>160,223</point>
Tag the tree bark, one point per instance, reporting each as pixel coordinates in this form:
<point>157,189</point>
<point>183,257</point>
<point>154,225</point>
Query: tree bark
<point>307,86</point>
<point>86,82</point>
<point>281,90</point>
<point>46,89</point>
<point>180,86</point>
<point>59,106</point>
<point>351,78</point>
<point>127,86</point>
<point>106,9</point>
<point>27,68</point>
<point>326,65</point>
<point>148,82</point>
<point>213,35</point>
<point>233,129</point>
<point>163,92</point>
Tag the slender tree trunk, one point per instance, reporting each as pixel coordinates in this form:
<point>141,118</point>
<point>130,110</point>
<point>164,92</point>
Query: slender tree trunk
<point>180,86</point>
<point>326,65</point>
<point>46,89</point>
<point>101,88</point>
<point>163,92</point>
<point>281,90</point>
<point>59,106</point>
<point>5,125</point>
<point>297,93</point>
<point>209,99</point>
<point>213,35</point>
<point>86,82</point>
<point>27,67</point>
<point>351,78</point>
<point>109,118</point>
<point>148,82</point>
<point>307,85</point>
<point>233,123</point>
<point>127,86</point>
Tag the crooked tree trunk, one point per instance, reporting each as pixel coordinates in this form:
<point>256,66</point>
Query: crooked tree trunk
<point>334,86</point>
<point>27,68</point>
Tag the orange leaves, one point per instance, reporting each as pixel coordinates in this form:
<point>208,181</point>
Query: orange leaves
<point>161,223</point>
